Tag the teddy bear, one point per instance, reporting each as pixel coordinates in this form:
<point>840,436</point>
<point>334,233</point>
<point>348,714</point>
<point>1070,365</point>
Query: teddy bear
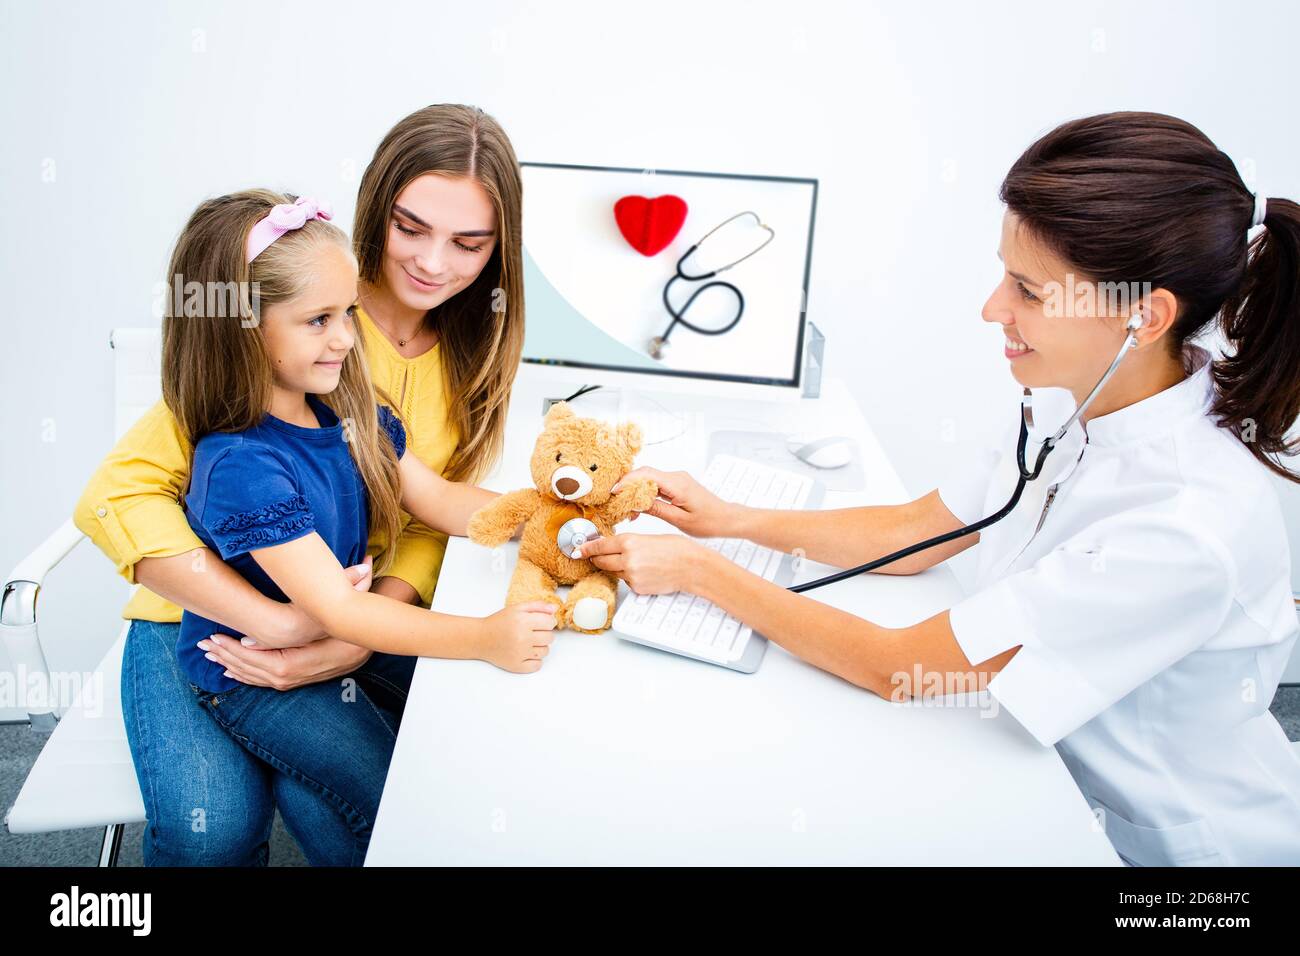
<point>575,463</point>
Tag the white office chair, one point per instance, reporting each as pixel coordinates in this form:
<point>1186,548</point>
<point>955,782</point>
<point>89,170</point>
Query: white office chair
<point>84,776</point>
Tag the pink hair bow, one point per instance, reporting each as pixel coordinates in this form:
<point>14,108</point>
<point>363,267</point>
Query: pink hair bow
<point>284,218</point>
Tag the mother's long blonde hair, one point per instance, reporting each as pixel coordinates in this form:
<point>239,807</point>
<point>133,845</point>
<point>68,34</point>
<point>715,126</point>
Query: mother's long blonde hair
<point>216,370</point>
<point>483,325</point>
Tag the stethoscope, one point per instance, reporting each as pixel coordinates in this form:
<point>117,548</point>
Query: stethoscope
<point>578,530</point>
<point>658,346</point>
<point>1026,422</point>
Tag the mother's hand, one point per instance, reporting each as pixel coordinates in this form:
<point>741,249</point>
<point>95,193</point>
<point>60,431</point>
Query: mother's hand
<point>308,659</point>
<point>686,504</point>
<point>649,563</point>
<point>287,667</point>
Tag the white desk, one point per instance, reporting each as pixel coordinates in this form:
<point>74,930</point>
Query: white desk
<point>615,753</point>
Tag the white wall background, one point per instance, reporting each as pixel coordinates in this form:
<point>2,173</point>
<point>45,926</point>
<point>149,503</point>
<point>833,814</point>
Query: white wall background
<point>116,119</point>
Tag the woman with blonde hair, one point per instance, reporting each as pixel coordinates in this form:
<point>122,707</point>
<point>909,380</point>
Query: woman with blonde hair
<point>438,246</point>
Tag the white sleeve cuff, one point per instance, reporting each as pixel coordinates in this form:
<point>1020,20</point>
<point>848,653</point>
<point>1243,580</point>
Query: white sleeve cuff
<point>964,495</point>
<point>1047,696</point>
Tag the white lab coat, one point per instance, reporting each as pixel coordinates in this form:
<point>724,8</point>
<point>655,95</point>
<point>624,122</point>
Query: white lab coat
<point>1155,616</point>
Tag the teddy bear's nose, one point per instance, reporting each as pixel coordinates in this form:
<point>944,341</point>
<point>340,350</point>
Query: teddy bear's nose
<point>566,486</point>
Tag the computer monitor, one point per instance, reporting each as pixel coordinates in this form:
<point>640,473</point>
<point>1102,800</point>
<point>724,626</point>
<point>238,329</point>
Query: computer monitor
<point>595,302</point>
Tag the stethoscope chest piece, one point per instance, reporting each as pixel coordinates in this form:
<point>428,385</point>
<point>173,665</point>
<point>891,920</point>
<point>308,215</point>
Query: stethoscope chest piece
<point>574,533</point>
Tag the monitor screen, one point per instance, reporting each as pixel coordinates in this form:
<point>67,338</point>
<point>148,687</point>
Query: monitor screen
<point>595,278</point>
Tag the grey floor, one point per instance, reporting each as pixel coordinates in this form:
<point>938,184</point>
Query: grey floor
<point>19,747</point>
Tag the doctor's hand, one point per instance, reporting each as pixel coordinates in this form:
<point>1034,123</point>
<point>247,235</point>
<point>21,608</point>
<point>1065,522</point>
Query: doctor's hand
<point>649,563</point>
<point>686,504</point>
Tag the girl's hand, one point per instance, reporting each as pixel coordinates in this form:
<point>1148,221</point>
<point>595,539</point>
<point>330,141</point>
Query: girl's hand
<point>285,668</point>
<point>686,504</point>
<point>516,638</point>
<point>649,563</point>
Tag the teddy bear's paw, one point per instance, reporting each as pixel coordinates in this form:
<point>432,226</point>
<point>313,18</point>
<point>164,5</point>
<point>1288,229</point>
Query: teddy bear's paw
<point>590,614</point>
<point>487,536</point>
<point>478,529</point>
<point>645,496</point>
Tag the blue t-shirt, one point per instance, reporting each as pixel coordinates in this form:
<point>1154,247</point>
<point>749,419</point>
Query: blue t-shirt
<point>270,484</point>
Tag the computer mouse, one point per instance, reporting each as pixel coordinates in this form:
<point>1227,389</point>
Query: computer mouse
<point>833,451</point>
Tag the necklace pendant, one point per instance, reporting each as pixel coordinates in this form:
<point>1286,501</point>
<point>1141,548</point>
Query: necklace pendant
<point>401,343</point>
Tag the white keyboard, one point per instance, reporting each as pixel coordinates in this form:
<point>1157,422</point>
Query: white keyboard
<point>689,625</point>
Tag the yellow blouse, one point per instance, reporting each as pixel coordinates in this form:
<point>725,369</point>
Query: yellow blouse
<point>131,509</point>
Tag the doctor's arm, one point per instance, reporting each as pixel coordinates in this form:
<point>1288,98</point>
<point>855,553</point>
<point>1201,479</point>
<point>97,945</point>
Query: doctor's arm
<point>883,660</point>
<point>843,537</point>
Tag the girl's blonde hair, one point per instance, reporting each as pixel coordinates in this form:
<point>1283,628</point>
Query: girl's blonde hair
<point>216,370</point>
<point>483,325</point>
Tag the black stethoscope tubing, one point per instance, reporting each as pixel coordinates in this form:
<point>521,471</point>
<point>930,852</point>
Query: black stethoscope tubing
<point>679,315</point>
<point>1025,476</point>
<point>1026,418</point>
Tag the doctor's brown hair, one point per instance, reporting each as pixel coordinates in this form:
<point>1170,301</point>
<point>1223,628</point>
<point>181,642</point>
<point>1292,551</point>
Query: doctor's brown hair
<point>1144,197</point>
<point>481,327</point>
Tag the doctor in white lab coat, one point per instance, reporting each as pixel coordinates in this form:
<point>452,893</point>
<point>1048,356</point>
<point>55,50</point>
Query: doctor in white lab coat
<point>1135,609</point>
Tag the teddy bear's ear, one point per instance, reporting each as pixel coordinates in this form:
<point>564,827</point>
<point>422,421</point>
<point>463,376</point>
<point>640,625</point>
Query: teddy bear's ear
<point>558,412</point>
<point>630,434</point>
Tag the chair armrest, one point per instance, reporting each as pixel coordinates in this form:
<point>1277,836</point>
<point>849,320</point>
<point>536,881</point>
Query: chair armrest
<point>18,621</point>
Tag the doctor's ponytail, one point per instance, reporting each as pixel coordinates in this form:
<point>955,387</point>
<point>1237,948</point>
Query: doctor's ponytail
<point>1259,385</point>
<point>1145,197</point>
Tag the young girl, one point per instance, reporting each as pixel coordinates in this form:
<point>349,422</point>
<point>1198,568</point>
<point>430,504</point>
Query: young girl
<point>293,464</point>
<point>1138,617</point>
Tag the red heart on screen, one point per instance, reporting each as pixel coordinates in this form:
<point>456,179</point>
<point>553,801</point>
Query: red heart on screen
<point>650,224</point>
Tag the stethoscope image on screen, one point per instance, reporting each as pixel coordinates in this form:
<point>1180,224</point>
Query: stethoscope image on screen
<point>1026,422</point>
<point>659,345</point>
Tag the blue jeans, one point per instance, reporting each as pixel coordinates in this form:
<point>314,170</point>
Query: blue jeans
<point>210,800</point>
